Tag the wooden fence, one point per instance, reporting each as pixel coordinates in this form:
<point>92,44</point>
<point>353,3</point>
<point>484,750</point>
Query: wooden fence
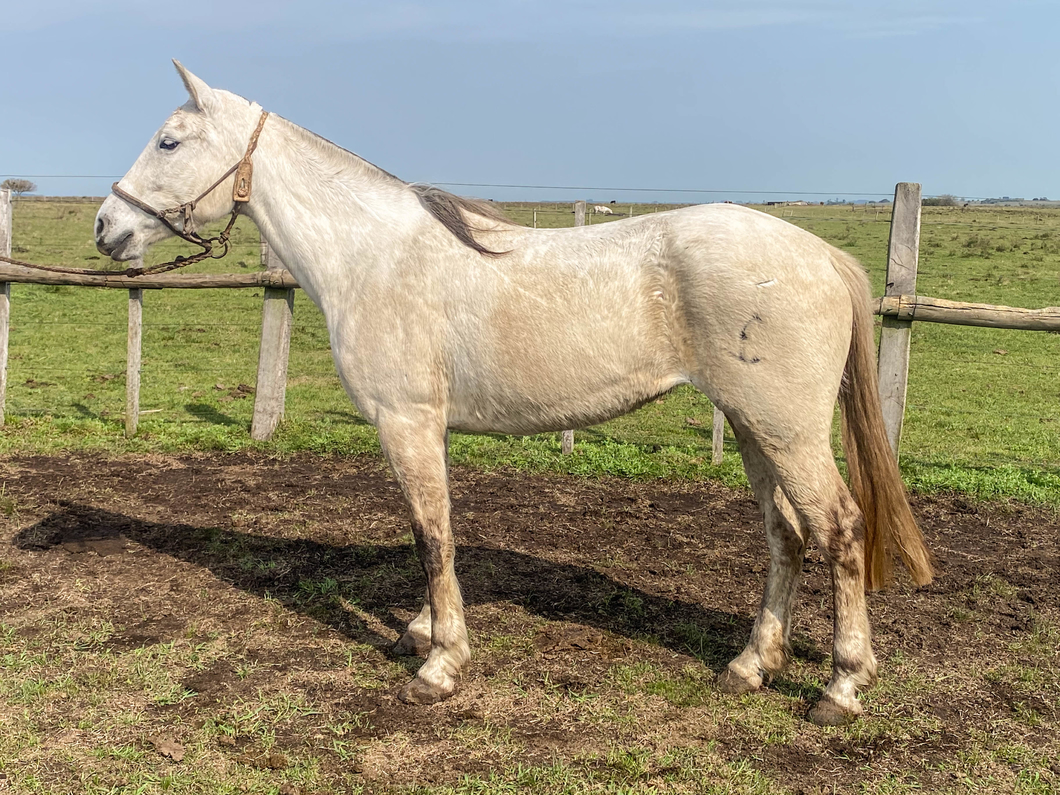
<point>899,307</point>
<point>279,286</point>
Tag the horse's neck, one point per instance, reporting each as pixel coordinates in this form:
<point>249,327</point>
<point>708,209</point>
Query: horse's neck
<point>326,212</point>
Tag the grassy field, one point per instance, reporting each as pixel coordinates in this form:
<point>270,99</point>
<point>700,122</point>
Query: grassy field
<point>983,414</point>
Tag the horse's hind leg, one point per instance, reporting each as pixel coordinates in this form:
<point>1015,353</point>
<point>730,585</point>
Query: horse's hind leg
<point>415,448</point>
<point>802,493</point>
<point>809,479</point>
<point>769,648</point>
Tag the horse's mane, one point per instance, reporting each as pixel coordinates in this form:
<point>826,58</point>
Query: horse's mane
<point>452,212</point>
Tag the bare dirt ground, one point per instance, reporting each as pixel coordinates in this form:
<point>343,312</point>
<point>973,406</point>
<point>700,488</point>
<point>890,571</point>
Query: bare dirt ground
<point>179,594</point>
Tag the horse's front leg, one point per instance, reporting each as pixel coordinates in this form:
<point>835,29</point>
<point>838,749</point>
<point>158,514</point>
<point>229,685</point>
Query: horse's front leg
<point>414,445</point>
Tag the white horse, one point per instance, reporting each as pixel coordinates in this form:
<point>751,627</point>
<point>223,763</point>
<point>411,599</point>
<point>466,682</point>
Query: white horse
<point>444,315</point>
<point>602,209</point>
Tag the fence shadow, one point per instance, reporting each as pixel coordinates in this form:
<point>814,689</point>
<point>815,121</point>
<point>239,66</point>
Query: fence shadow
<point>308,576</point>
<point>210,414</point>
<point>85,411</point>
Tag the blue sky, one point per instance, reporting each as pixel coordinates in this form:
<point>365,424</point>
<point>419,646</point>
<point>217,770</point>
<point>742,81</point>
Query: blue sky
<point>813,98</point>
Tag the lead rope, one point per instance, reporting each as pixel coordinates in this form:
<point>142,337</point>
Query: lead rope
<point>244,171</point>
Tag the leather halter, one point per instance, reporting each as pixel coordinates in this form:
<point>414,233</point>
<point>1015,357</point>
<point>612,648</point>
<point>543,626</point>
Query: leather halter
<point>244,171</point>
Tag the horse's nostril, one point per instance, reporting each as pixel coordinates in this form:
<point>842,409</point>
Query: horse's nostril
<point>99,228</point>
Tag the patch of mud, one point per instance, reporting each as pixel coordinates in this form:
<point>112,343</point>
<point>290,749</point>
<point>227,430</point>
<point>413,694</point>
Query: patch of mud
<point>306,569</point>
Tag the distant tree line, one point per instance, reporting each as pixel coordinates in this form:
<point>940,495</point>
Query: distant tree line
<point>945,200</point>
<point>18,186</point>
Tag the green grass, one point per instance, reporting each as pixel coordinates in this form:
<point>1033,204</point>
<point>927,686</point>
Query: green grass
<point>982,414</point>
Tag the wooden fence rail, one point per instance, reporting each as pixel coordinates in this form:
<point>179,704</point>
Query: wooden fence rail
<point>899,307</point>
<point>959,313</point>
<point>279,284</point>
<point>279,279</point>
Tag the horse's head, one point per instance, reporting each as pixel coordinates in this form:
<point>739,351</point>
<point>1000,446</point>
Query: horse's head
<point>197,144</point>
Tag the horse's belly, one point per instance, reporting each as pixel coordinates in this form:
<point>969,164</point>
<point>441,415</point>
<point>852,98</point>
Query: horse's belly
<point>483,417</point>
<point>525,400</point>
<point>532,365</point>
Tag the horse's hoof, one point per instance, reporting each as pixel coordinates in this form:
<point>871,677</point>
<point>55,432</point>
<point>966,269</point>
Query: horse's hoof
<point>419,692</point>
<point>735,685</point>
<point>829,713</point>
<point>411,646</point>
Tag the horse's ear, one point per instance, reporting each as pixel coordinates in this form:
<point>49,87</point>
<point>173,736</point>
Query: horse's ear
<point>201,94</point>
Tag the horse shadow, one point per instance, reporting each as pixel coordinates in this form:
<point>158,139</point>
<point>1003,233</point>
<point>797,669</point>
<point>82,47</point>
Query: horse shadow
<point>309,577</point>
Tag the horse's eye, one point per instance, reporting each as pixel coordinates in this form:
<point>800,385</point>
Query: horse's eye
<point>168,144</point>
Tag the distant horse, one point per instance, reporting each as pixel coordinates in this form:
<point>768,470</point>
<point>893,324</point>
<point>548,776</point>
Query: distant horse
<point>444,315</point>
<point>602,208</point>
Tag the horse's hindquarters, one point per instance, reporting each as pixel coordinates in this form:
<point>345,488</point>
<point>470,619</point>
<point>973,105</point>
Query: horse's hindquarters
<point>769,348</point>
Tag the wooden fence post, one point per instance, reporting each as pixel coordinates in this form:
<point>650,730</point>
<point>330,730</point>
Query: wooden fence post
<point>133,359</point>
<point>270,391</point>
<point>718,439</point>
<point>5,295</point>
<point>902,253</point>
<point>567,445</point>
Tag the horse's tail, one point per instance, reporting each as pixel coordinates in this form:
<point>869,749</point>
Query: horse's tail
<point>873,469</point>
